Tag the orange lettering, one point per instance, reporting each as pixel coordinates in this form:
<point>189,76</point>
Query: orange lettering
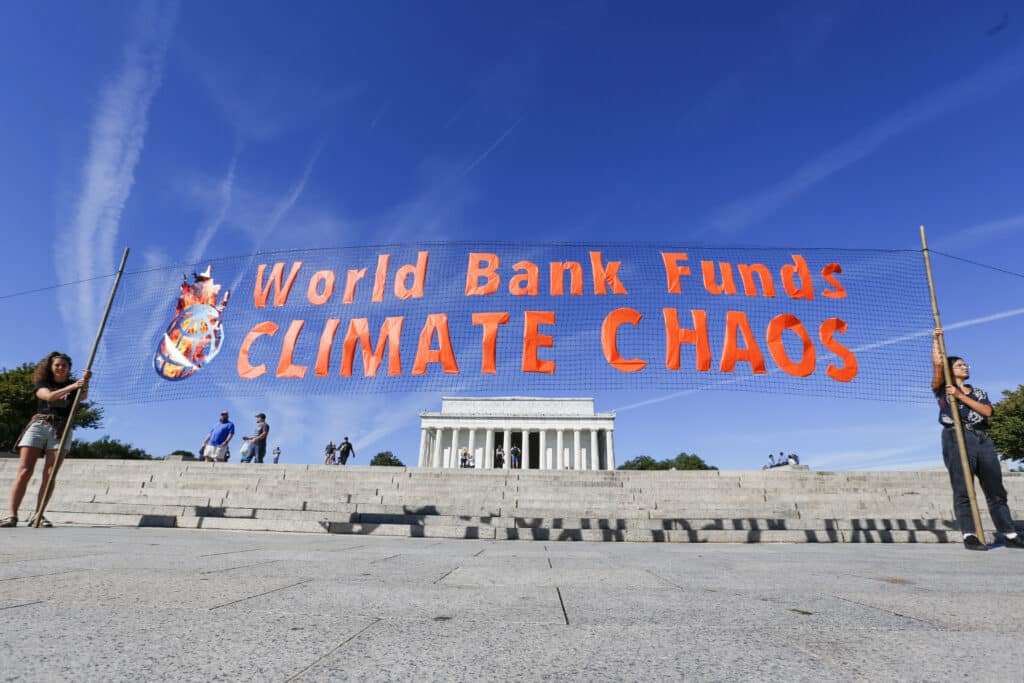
<point>609,339</point>
<point>380,278</point>
<point>777,348</point>
<point>353,277</point>
<point>419,276</point>
<point>359,333</point>
<point>728,286</point>
<point>558,270</point>
<point>674,271</point>
<point>323,354</point>
<point>285,366</point>
<point>736,324</point>
<point>747,273</point>
<point>606,276</point>
<point>488,351</point>
<point>313,293</point>
<point>281,291</point>
<point>676,336</point>
<point>533,340</point>
<point>482,266</point>
<point>436,322</point>
<point>525,284</point>
<point>828,272</point>
<point>245,369</point>
<point>826,333</point>
<point>804,290</point>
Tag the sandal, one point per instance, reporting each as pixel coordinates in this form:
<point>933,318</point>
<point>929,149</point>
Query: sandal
<point>10,520</point>
<point>43,522</point>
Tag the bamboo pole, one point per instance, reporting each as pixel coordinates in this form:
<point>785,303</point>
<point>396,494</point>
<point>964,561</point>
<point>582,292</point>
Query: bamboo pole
<point>954,407</point>
<point>68,427</point>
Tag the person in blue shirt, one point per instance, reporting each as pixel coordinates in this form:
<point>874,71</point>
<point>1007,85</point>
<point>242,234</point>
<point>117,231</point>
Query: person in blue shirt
<point>215,445</point>
<point>975,409</point>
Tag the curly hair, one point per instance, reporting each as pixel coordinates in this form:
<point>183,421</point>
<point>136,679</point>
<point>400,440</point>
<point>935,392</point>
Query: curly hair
<point>44,370</point>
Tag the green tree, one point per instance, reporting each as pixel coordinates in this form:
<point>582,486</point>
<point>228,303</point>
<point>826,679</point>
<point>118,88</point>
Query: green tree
<point>18,404</point>
<point>691,461</point>
<point>683,461</point>
<point>386,459</point>
<point>643,462</point>
<point>106,448</point>
<point>189,454</point>
<point>1007,425</point>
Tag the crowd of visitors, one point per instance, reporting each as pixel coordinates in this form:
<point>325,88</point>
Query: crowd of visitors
<point>339,454</point>
<point>782,459</point>
<point>216,446</point>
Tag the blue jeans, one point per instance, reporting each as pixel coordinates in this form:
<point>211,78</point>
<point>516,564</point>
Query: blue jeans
<point>984,462</point>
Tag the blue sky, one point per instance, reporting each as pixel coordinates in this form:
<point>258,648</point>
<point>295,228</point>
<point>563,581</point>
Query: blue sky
<point>204,129</point>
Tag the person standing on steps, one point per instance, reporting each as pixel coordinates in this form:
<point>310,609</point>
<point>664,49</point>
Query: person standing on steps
<point>345,450</point>
<point>215,445</point>
<point>258,441</point>
<point>55,392</point>
<point>975,410</point>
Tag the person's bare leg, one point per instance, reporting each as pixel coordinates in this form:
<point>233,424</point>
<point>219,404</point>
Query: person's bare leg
<point>51,458</point>
<point>26,466</point>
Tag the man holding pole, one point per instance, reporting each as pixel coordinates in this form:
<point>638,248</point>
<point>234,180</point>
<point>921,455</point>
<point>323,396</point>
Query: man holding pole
<point>974,410</point>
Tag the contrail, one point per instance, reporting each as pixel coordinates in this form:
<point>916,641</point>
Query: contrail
<point>116,139</point>
<point>867,347</point>
<point>491,148</point>
<point>984,83</point>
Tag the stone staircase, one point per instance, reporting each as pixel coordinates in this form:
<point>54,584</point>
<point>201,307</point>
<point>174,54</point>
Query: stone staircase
<point>778,505</point>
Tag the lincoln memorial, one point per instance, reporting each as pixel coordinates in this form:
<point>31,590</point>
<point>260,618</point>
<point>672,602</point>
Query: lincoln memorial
<point>549,433</point>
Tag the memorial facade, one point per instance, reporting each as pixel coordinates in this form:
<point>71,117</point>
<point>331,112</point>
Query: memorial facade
<point>546,433</point>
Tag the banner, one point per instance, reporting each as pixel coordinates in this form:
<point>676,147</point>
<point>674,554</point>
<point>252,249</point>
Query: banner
<point>508,319</point>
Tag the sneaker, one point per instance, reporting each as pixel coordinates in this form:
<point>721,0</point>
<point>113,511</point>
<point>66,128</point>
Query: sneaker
<point>972,543</point>
<point>1015,542</point>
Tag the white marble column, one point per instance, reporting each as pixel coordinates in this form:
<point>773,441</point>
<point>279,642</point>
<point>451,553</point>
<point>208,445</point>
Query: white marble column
<point>436,460</point>
<point>595,459</point>
<point>545,462</point>
<point>453,452</point>
<point>560,449</point>
<point>610,450</point>
<point>576,450</point>
<point>472,448</point>
<point>423,447</point>
<point>489,450</point>
<point>506,446</point>
<point>525,449</point>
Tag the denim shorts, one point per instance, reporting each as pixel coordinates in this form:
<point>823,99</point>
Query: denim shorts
<point>40,435</point>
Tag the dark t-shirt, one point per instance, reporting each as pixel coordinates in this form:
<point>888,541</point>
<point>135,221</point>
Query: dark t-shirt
<point>261,445</point>
<point>969,418</point>
<point>60,408</point>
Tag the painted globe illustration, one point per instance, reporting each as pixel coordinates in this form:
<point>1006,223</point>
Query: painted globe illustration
<point>192,340</point>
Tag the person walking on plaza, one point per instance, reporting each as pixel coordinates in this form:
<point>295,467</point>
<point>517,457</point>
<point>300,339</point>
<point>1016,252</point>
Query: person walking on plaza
<point>55,392</point>
<point>258,441</point>
<point>215,445</point>
<point>277,454</point>
<point>345,450</point>
<point>329,451</point>
<point>975,410</point>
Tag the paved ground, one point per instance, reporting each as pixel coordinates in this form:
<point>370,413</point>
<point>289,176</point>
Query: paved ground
<point>116,604</point>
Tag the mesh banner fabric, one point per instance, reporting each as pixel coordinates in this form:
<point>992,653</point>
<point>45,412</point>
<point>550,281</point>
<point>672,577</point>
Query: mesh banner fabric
<point>506,319</point>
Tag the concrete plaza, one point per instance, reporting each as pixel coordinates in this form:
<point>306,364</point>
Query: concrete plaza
<point>120,604</point>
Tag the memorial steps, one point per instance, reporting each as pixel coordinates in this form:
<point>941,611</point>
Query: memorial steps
<point>780,505</point>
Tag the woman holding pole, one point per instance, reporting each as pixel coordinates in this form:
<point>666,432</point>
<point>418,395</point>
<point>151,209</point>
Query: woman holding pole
<point>975,409</point>
<point>55,392</point>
